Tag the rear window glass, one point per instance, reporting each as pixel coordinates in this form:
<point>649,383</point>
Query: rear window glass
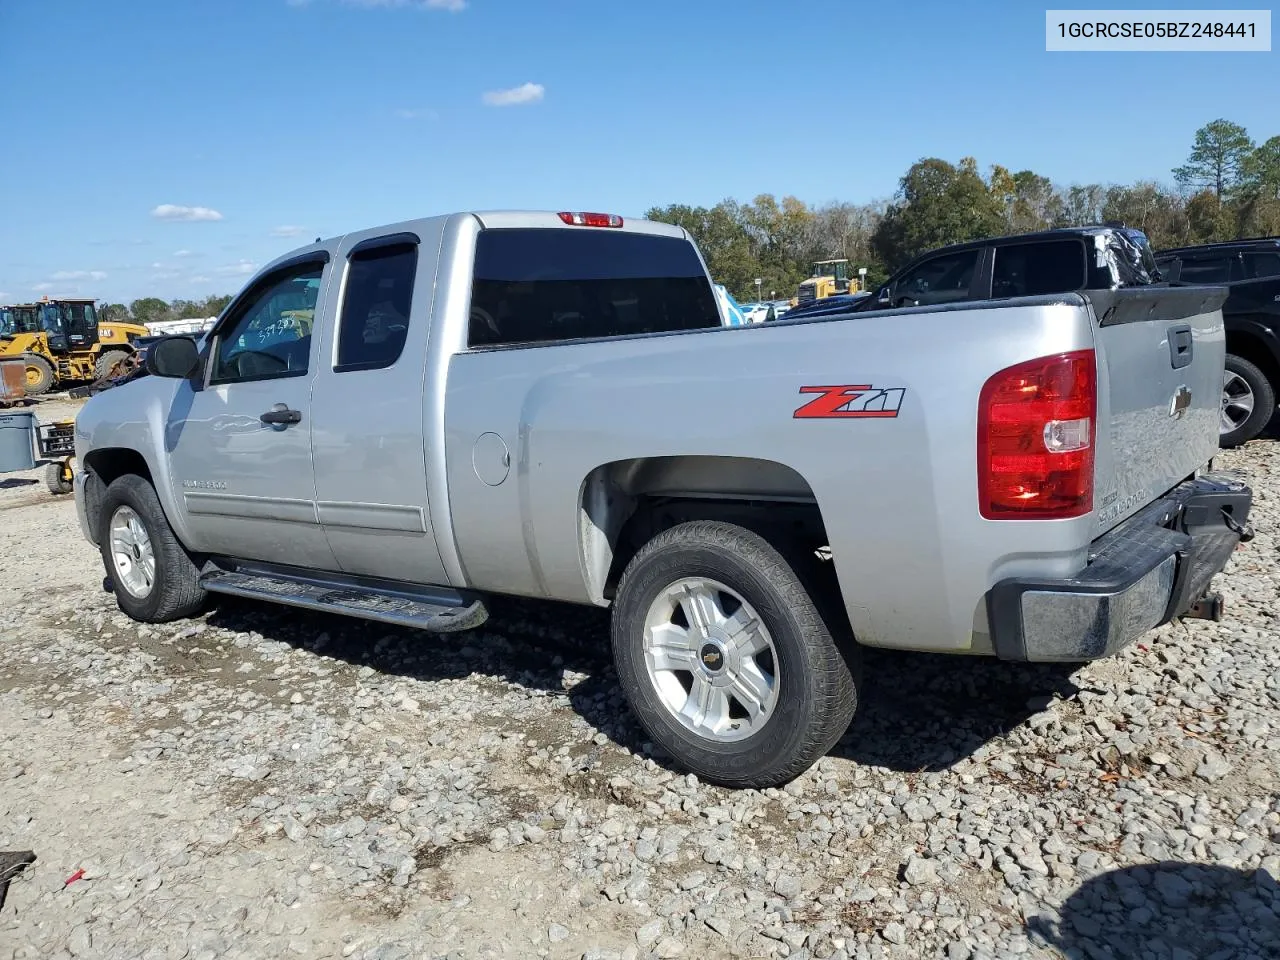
<point>1035,269</point>
<point>534,285</point>
<point>375,307</point>
<point>1206,271</point>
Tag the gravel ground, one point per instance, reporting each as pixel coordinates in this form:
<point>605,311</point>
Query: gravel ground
<point>266,783</point>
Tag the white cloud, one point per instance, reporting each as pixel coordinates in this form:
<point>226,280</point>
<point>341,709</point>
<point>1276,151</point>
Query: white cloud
<point>42,286</point>
<point>184,253</point>
<point>240,269</point>
<point>525,93</point>
<point>288,230</point>
<point>78,275</point>
<point>201,280</point>
<point>166,275</point>
<point>4,294</point>
<point>424,113</point>
<point>170,211</point>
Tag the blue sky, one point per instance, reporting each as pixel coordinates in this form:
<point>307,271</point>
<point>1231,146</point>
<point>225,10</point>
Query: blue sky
<point>274,121</point>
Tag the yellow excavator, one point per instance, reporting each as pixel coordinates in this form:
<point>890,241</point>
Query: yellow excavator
<point>826,279</point>
<point>62,341</point>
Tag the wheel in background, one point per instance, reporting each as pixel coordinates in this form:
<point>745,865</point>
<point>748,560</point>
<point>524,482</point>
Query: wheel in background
<point>39,374</point>
<point>1248,402</point>
<point>57,478</point>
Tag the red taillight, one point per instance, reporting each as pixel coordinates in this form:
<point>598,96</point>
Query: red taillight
<point>1036,427</point>
<point>591,219</point>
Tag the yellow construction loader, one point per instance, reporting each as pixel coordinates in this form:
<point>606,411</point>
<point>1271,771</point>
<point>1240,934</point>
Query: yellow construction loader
<point>62,341</point>
<point>826,279</point>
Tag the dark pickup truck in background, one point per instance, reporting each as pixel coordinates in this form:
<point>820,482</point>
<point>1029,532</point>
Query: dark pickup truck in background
<point>1250,270</point>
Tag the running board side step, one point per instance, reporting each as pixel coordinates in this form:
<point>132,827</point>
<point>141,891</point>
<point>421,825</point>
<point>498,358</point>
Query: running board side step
<point>439,611</point>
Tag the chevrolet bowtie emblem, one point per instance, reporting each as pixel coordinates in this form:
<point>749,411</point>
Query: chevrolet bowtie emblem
<point>1180,403</point>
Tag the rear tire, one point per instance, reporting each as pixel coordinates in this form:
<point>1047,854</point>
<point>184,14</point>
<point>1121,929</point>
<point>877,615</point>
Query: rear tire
<point>687,664</point>
<point>155,580</point>
<point>39,374</point>
<point>1245,388</point>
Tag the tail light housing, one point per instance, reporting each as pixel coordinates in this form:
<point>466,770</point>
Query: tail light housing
<point>1036,431</point>
<point>591,219</point>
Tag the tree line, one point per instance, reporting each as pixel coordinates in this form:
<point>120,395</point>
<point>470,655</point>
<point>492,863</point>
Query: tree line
<point>1229,187</point>
<point>153,309</point>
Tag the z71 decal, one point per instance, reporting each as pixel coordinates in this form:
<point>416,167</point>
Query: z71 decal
<point>851,401</point>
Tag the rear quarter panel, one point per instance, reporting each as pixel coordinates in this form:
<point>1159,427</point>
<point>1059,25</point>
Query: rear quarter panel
<point>897,493</point>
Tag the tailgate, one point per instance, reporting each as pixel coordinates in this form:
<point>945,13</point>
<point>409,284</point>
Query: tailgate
<point>1161,353</point>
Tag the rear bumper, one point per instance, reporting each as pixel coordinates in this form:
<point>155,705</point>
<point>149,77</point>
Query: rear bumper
<point>1145,572</point>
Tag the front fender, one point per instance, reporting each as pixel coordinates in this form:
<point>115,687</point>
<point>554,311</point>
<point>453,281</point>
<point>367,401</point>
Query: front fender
<point>132,419</point>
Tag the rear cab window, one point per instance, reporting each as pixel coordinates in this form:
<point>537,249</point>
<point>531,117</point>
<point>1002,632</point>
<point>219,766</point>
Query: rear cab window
<point>546,284</point>
<point>1035,269</point>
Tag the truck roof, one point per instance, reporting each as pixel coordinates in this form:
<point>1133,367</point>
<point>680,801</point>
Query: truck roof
<point>1248,243</point>
<point>488,220</point>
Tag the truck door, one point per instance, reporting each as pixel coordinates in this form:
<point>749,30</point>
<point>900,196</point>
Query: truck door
<point>240,445</point>
<point>367,410</point>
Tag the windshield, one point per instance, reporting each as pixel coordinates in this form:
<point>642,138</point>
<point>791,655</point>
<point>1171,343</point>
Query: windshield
<point>7,327</point>
<point>79,316</point>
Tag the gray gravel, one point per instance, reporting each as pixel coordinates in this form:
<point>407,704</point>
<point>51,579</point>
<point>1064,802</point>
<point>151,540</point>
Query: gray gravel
<point>265,783</point>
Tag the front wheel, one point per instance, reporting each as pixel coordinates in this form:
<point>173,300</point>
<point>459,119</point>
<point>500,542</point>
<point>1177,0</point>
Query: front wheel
<point>39,374</point>
<point>154,578</point>
<point>1248,402</point>
<point>727,660</point>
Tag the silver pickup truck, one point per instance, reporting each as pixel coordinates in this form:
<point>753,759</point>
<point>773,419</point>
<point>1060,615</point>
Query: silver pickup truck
<point>404,422</point>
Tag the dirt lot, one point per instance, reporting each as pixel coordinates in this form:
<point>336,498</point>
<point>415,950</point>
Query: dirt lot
<point>265,783</point>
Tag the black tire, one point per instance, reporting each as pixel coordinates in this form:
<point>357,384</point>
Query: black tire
<point>817,675</point>
<point>42,369</point>
<point>106,360</point>
<point>175,592</point>
<point>55,479</point>
<point>1264,402</point>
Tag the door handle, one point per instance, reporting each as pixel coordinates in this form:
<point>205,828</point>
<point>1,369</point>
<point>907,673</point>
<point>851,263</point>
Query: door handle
<point>281,414</point>
<point>1181,345</point>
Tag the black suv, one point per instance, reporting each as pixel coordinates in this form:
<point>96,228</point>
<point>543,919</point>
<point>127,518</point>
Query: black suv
<point>1020,265</point>
<point>1250,270</point>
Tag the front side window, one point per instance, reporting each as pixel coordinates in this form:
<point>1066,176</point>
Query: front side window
<point>537,285</point>
<point>375,307</point>
<point>1259,265</point>
<point>1037,269</point>
<point>270,336</point>
<point>943,279</point>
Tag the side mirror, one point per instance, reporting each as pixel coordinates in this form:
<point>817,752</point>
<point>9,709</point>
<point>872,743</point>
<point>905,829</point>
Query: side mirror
<point>176,357</point>
<point>884,296</point>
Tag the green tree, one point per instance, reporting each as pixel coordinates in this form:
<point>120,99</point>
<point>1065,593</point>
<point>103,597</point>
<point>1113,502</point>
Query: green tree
<point>113,312</point>
<point>1158,213</point>
<point>214,304</point>
<point>1081,204</point>
<point>937,204</point>
<point>1217,156</point>
<point>149,310</point>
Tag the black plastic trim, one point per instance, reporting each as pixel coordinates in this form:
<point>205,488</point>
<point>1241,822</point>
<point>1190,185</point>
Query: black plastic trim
<point>1134,304</point>
<point>390,240</point>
